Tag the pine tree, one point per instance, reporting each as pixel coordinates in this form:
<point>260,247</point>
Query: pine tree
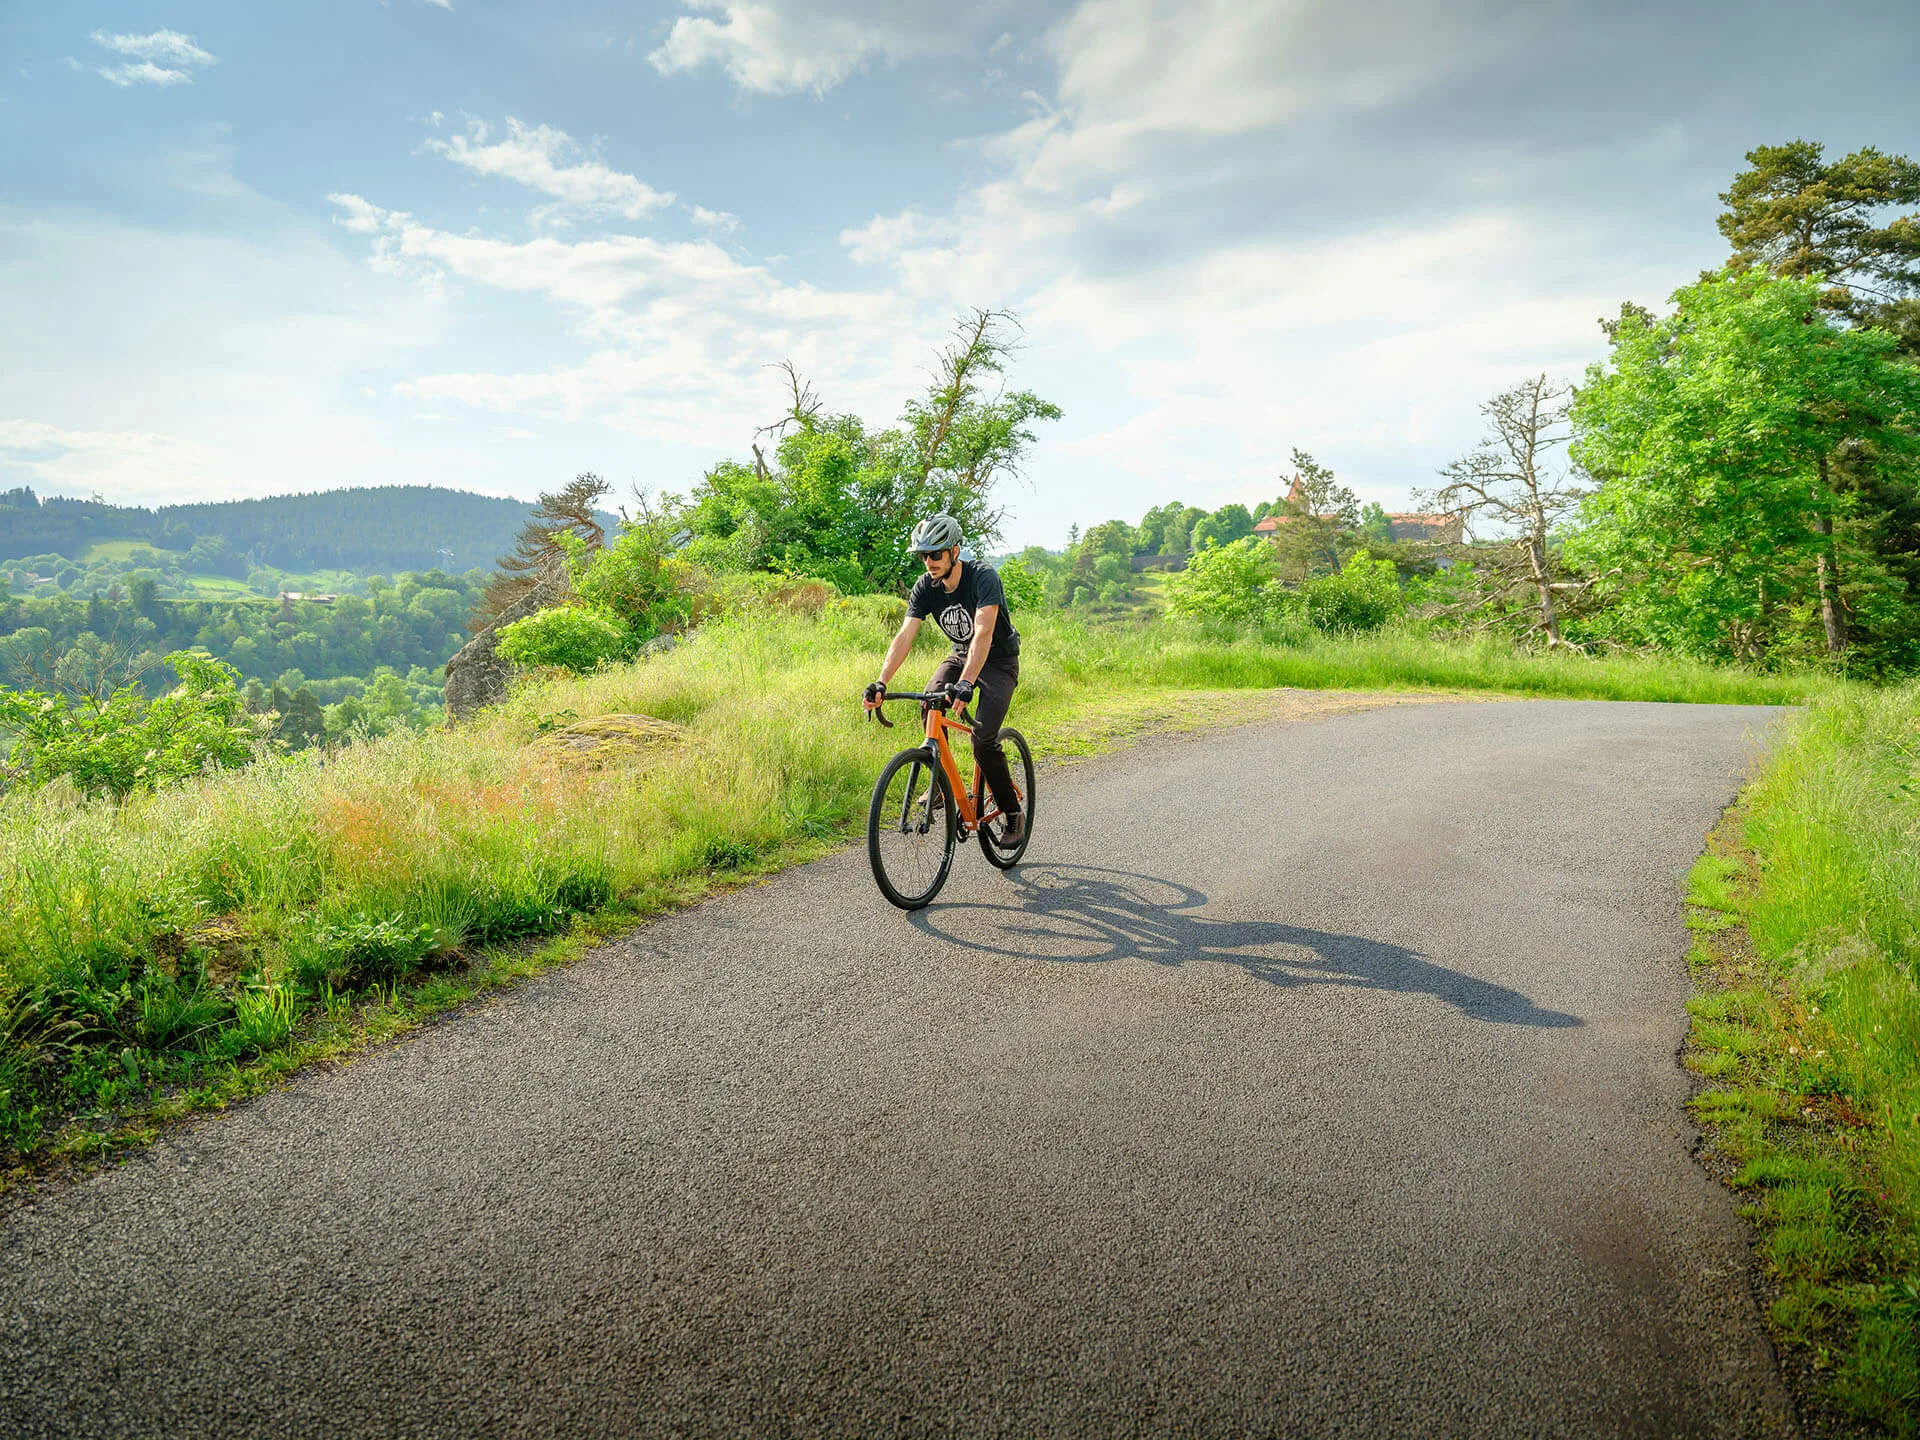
<point>538,551</point>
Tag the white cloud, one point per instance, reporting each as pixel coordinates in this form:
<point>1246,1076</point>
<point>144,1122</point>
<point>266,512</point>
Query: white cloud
<point>164,57</point>
<point>681,331</point>
<point>161,365</point>
<point>441,4</point>
<point>543,159</point>
<point>781,47</point>
<point>715,219</point>
<point>66,461</point>
<point>144,73</point>
<point>168,45</point>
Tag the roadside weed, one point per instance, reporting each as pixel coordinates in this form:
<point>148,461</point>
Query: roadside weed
<point>1809,1032</point>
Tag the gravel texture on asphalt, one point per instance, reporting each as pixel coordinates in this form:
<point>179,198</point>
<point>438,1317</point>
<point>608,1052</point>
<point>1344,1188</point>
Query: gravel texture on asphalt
<point>1306,1080</point>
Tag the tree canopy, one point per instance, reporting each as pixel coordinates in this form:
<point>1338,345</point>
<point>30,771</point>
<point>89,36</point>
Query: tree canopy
<point>1719,528</point>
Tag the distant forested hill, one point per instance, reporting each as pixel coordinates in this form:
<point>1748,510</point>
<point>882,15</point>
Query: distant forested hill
<point>386,529</point>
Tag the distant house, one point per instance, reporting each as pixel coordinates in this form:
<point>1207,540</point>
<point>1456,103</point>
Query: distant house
<point>306,597</point>
<point>1417,529</point>
<point>1296,503</point>
<point>1410,527</point>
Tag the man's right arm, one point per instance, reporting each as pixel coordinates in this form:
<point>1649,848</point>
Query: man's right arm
<point>897,652</point>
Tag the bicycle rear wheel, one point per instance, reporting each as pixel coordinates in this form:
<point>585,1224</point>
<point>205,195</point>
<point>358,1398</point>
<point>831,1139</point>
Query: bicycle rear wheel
<point>910,832</point>
<point>1020,764</point>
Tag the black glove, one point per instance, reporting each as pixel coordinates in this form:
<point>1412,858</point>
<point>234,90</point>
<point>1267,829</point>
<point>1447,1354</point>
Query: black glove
<point>961,690</point>
<point>875,690</point>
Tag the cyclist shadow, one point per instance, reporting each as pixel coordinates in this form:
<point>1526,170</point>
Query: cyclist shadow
<point>1081,914</point>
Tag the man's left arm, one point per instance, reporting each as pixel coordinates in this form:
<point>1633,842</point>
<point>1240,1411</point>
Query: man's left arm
<point>982,642</point>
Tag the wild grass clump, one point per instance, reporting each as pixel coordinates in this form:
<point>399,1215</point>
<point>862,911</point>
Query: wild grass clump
<point>231,919</point>
<point>1291,652</point>
<point>1817,1039</point>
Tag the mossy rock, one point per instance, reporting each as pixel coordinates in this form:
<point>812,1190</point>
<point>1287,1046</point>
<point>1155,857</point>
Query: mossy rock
<point>615,739</point>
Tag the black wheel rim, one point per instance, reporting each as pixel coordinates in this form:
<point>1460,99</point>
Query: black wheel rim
<point>909,836</point>
<point>1021,764</point>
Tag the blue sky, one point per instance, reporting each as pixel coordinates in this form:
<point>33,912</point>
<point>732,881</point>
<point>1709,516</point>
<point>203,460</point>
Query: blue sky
<point>246,249</point>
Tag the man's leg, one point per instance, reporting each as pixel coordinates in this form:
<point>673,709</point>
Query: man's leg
<point>995,693</point>
<point>945,673</point>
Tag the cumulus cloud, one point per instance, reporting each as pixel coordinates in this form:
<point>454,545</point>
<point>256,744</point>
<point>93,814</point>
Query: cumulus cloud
<point>548,160</point>
<point>163,57</point>
<point>781,47</point>
<point>680,332</point>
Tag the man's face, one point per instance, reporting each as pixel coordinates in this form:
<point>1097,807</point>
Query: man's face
<point>939,563</point>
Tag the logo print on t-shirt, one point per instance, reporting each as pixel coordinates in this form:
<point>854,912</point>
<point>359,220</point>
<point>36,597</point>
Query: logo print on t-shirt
<point>957,621</point>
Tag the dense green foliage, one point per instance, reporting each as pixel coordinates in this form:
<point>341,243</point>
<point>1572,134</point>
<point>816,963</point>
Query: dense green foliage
<point>1724,437</point>
<point>400,632</point>
<point>1813,1038</point>
<point>122,742</point>
<point>579,638</point>
<point>840,496</point>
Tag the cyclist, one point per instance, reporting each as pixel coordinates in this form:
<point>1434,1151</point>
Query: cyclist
<point>967,602</point>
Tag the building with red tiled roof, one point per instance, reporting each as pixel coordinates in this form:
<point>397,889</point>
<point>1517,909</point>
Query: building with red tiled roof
<point>1438,529</point>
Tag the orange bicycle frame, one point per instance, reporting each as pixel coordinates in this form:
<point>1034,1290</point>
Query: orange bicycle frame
<point>938,724</point>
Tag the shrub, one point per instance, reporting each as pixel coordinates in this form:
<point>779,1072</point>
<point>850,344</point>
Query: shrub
<point>126,742</point>
<point>1363,596</point>
<point>1232,583</point>
<point>1026,591</point>
<point>638,582</point>
<point>887,609</point>
<point>573,637</point>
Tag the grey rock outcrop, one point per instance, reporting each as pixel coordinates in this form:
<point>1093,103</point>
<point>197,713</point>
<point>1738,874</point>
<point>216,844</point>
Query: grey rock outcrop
<point>476,676</point>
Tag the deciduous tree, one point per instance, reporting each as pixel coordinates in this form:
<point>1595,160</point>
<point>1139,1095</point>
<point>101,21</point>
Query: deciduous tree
<point>1512,485</point>
<point>1715,433</point>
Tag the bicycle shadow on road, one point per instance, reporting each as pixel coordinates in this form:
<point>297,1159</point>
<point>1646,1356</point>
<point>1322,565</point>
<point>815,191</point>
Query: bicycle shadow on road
<point>1083,914</point>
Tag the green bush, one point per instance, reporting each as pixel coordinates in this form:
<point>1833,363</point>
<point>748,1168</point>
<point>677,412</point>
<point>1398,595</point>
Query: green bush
<point>573,637</point>
<point>1362,596</point>
<point>638,582</point>
<point>1233,583</point>
<point>1026,591</point>
<point>127,742</point>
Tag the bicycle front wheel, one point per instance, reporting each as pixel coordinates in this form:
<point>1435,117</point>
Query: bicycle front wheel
<point>910,830</point>
<point>1020,765</point>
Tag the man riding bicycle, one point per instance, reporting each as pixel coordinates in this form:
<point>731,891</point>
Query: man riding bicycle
<point>967,602</point>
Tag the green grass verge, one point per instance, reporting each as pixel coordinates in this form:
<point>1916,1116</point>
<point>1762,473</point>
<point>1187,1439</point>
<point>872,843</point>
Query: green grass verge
<point>1807,1027</point>
<point>185,947</point>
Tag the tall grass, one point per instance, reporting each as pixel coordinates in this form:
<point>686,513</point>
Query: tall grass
<point>1820,1040</point>
<point>1163,655</point>
<point>147,944</point>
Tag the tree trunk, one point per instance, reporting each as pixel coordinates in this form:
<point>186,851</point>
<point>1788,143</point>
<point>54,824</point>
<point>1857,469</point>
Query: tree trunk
<point>1543,582</point>
<point>1827,571</point>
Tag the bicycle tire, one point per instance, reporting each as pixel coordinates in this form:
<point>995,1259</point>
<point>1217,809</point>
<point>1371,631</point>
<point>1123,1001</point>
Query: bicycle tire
<point>910,874</point>
<point>1021,766</point>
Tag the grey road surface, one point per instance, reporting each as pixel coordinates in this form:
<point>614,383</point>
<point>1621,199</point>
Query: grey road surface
<point>1308,1080</point>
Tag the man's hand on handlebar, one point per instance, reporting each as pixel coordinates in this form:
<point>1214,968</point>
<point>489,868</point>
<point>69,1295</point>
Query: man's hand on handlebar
<point>961,691</point>
<point>875,693</point>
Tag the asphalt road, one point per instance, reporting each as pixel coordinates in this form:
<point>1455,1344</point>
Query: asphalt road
<point>1307,1080</point>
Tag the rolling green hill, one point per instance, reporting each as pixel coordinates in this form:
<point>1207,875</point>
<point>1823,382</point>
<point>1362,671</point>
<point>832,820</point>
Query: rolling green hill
<point>368,530</point>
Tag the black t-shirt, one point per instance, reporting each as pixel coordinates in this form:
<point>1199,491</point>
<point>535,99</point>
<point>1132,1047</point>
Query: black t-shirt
<point>952,610</point>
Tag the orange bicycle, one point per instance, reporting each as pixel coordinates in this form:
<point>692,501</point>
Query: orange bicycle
<point>920,811</point>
